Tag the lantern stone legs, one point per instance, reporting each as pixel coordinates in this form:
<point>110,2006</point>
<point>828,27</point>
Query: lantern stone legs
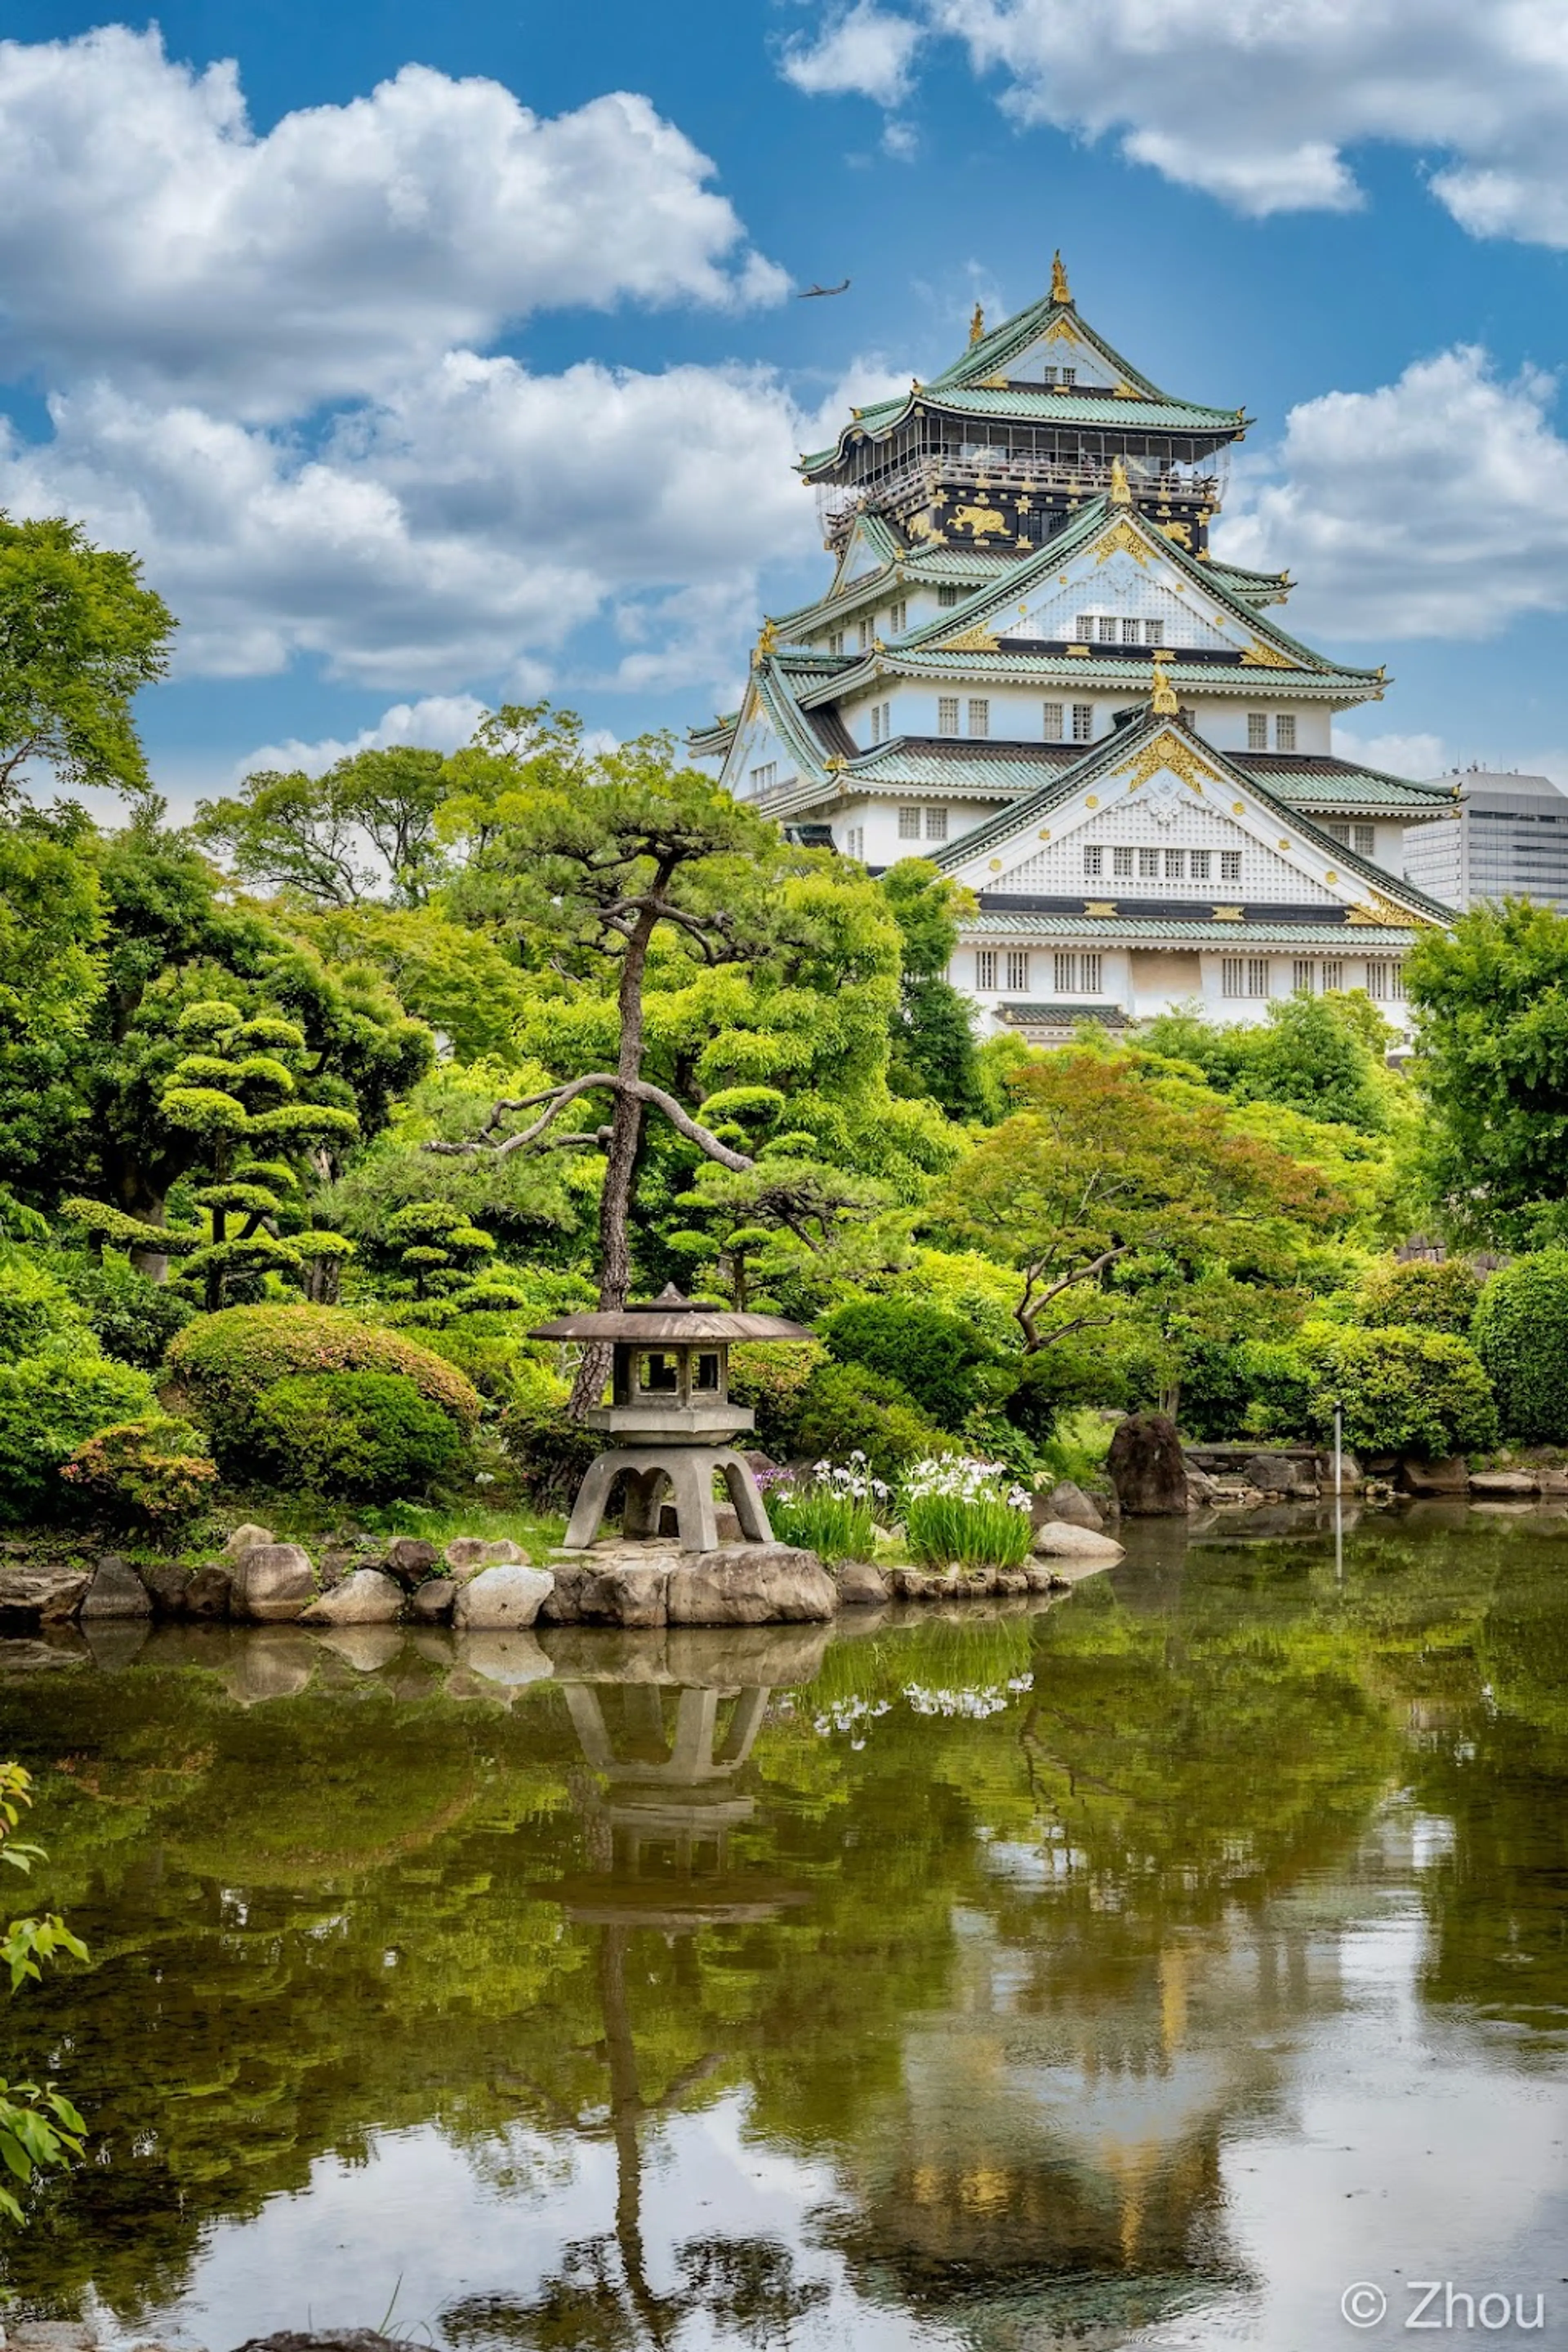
<point>688,1472</point>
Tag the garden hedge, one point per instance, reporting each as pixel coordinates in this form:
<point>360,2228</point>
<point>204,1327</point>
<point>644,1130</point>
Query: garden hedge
<point>227,1361</point>
<point>1522,1336</point>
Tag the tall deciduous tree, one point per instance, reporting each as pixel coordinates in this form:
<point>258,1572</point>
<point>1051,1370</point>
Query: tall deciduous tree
<point>80,636</point>
<point>1492,1000</point>
<point>1095,1168</point>
<point>364,830</point>
<point>933,1040</point>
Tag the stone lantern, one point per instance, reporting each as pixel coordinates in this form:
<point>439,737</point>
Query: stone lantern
<point>671,1412</point>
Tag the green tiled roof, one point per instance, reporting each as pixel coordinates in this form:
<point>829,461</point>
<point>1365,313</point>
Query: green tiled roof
<point>1249,585</point>
<point>1108,678</point>
<point>1339,786</point>
<point>1107,754</point>
<point>1008,772</point>
<point>1198,929</point>
<point>1104,1016</point>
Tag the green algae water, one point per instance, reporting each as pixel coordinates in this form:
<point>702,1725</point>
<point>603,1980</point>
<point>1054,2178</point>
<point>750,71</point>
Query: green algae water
<point>1168,1965</point>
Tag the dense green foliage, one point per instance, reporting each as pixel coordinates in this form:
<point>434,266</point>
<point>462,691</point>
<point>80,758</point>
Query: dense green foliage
<point>149,1476</point>
<point>367,1436</point>
<point>1521,1335</point>
<point>1431,1297</point>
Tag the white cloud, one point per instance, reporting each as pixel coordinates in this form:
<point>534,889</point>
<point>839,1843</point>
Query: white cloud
<point>1436,506</point>
<point>147,234</point>
<point>1259,101</point>
<point>1421,756</point>
<point>439,722</point>
<point>459,530</point>
<point>863,50</point>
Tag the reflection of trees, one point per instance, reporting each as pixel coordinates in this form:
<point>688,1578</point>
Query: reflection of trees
<point>1017,2013</point>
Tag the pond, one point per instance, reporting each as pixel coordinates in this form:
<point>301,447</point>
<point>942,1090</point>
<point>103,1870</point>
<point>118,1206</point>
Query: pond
<point>1148,1967</point>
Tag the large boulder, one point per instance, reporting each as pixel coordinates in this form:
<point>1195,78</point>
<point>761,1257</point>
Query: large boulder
<point>470,1554</point>
<point>1504,1486</point>
<point>614,1593</point>
<point>1450,1476</point>
<point>1068,1503</point>
<point>209,1591</point>
<point>272,1583</point>
<point>1147,1468</point>
<point>1060,1540</point>
<point>750,1584</point>
<point>46,1596</point>
<point>496,1600</point>
<point>861,1585</point>
<point>433,1600</point>
<point>366,1598</point>
<point>116,1590</point>
<point>410,1559</point>
<point>1280,1474</point>
<point>247,1538</point>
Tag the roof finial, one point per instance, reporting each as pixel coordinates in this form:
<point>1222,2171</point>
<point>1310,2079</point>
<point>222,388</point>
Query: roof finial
<point>1120,489</point>
<point>767,644</point>
<point>1163,702</point>
<point>978,324</point>
<point>1061,290</point>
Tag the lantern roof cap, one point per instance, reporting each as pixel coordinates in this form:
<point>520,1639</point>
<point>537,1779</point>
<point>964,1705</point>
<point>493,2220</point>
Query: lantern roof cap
<point>671,1317</point>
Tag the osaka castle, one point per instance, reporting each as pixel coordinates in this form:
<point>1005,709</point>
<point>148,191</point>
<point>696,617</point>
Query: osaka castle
<point>1028,668</point>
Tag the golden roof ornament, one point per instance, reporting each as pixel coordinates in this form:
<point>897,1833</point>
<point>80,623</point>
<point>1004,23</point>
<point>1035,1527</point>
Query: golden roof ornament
<point>1163,702</point>
<point>1061,290</point>
<point>1120,489</point>
<point>978,324</point>
<point>767,643</point>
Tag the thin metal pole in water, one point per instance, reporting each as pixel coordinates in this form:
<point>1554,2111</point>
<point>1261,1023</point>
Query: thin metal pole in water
<point>1339,1494</point>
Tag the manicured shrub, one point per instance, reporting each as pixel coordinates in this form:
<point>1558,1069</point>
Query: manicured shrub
<point>130,1316</point>
<point>49,1404</point>
<point>368,1436</point>
<point>769,1375</point>
<point>1402,1392</point>
<point>1522,1336</point>
<point>966,1511</point>
<point>149,1476</point>
<point>935,1355</point>
<point>844,1409</point>
<point>227,1361</point>
<point>830,1510</point>
<point>1421,1297</point>
<point>36,1307</point>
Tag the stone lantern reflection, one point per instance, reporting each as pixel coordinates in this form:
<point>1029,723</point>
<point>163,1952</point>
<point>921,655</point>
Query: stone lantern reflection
<point>671,1411</point>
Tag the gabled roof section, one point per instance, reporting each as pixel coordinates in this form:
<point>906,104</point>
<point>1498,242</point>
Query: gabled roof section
<point>1112,752</point>
<point>1277,649</point>
<point>1252,587</point>
<point>873,545</point>
<point>1343,787</point>
<point>991,354</point>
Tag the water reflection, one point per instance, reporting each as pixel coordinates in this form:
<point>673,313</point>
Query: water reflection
<point>1016,1976</point>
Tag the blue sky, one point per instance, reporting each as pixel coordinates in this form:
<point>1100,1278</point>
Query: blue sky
<point>434,358</point>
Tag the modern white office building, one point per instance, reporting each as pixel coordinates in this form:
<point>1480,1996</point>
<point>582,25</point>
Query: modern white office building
<point>1509,839</point>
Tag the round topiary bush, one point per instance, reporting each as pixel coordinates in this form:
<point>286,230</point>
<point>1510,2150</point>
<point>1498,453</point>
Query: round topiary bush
<point>1420,1296</point>
<point>227,1361</point>
<point>49,1404</point>
<point>366,1436</point>
<point>844,1409</point>
<point>1402,1392</point>
<point>1520,1333</point>
<point>934,1355</point>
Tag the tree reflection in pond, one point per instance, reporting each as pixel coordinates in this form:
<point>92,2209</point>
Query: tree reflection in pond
<point>994,1934</point>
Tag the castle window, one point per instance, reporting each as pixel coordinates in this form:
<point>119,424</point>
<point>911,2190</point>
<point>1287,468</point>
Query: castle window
<point>1257,731</point>
<point>936,824</point>
<point>1341,833</point>
<point>1257,975</point>
<point>948,594</point>
<point>909,825</point>
<point>1386,983</point>
<point>1049,375</point>
<point>1363,840</point>
<point>1285,731</point>
<point>1108,632</point>
<point>947,714</point>
<point>1083,627</point>
<point>1152,633</point>
<point>1230,866</point>
<point>1149,865</point>
<point>899,618</point>
<point>1129,633</point>
<point>1093,858</point>
<point>1121,861</point>
<point>1200,865</point>
<point>1243,975</point>
<point>865,631</point>
<point>1075,975</point>
<point>835,641</point>
<point>764,778</point>
<point>985,967</point>
<point>1303,976</point>
<point>1333,974</point>
<point>979,715</point>
<point>1083,722</point>
<point>854,841</point>
<point>1070,375</point>
<point>1176,864</point>
<point>1018,968</point>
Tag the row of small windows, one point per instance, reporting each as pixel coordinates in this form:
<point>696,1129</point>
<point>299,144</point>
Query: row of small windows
<point>1108,629</point>
<point>764,778</point>
<point>865,630</point>
<point>881,722</point>
<point>1251,976</point>
<point>1169,865</point>
<point>1361,838</point>
<point>1072,974</point>
<point>1257,731</point>
<point>910,824</point>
